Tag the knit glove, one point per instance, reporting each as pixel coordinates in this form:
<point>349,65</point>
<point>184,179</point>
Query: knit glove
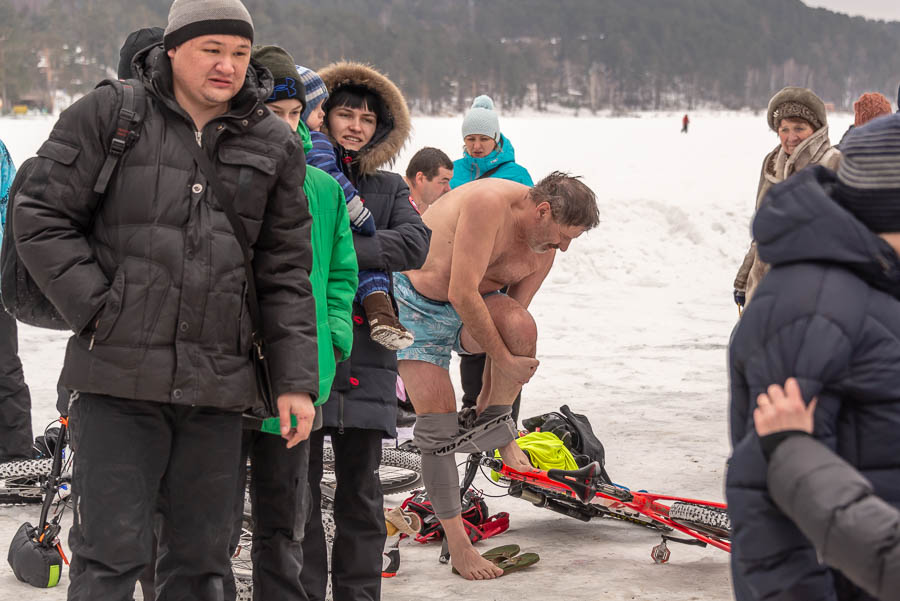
<point>361,220</point>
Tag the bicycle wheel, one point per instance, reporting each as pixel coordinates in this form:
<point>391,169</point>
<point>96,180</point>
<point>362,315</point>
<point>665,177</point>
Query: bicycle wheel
<point>399,471</point>
<point>709,520</point>
<point>241,565</point>
<point>20,481</point>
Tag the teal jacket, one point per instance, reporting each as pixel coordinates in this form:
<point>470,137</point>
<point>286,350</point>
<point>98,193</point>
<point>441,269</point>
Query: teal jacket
<point>334,272</point>
<point>468,168</point>
<point>7,173</point>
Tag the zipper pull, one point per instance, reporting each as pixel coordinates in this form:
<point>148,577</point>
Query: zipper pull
<point>91,346</point>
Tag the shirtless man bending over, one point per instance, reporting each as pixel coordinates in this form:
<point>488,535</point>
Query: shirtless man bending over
<point>486,235</point>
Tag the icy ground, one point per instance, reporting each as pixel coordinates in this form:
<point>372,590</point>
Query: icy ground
<point>634,322</point>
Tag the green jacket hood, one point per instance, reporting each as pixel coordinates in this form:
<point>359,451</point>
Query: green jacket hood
<point>303,132</point>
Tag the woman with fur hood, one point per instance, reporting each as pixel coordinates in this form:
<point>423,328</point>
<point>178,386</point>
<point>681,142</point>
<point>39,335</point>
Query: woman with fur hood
<point>797,115</point>
<point>367,121</point>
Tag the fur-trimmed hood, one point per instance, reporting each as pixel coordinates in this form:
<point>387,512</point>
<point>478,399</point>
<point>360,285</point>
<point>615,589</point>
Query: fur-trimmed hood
<point>384,147</point>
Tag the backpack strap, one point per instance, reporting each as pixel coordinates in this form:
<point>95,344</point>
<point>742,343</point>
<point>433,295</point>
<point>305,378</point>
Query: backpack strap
<point>129,118</point>
<point>489,172</point>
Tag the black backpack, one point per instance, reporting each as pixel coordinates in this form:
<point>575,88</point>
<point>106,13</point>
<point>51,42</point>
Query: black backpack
<point>20,294</point>
<point>575,431</point>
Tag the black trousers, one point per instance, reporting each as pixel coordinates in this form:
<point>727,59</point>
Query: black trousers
<point>280,499</point>
<point>15,400</point>
<point>134,458</point>
<point>471,370</point>
<point>356,556</point>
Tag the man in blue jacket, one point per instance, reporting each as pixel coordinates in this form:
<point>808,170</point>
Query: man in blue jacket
<point>827,313</point>
<point>15,399</point>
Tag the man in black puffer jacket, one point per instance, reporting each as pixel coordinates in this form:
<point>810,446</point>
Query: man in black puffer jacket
<point>151,279</point>
<point>829,314</point>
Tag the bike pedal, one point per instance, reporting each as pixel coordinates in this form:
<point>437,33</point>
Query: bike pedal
<point>660,553</point>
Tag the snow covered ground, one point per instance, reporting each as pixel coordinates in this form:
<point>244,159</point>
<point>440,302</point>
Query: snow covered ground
<point>634,323</point>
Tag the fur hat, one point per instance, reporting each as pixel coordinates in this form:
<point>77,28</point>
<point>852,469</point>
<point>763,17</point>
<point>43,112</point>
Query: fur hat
<point>481,119</point>
<point>869,106</point>
<point>189,19</point>
<point>316,91</point>
<point>868,181</point>
<point>794,102</point>
<point>284,73</point>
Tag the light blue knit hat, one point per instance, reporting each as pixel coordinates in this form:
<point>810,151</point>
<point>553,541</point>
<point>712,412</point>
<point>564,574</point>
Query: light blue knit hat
<point>316,91</point>
<point>481,119</point>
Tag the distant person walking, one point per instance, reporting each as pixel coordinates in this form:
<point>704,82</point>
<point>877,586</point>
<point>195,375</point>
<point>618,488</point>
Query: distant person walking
<point>488,153</point>
<point>797,115</point>
<point>684,124</point>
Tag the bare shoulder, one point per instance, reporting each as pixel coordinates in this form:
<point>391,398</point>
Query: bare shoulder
<point>490,196</point>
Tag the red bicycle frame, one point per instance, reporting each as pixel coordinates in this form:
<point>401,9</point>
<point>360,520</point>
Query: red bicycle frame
<point>645,503</point>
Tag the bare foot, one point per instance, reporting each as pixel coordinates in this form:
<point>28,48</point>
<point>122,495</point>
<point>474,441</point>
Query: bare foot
<point>515,458</point>
<point>471,565</point>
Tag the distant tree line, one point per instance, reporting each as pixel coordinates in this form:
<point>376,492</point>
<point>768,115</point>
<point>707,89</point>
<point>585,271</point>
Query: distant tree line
<point>581,54</point>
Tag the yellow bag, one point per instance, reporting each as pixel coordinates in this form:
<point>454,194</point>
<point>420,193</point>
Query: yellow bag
<point>546,452</point>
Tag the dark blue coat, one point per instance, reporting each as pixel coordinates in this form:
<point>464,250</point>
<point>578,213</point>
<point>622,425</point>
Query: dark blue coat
<point>827,313</point>
<point>364,394</point>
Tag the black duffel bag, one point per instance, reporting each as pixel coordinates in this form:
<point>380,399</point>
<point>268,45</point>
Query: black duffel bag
<point>36,562</point>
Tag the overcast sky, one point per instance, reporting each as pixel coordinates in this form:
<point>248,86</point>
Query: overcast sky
<point>889,10</point>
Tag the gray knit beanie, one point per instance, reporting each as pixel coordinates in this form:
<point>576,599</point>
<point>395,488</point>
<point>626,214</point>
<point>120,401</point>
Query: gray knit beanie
<point>481,119</point>
<point>189,19</point>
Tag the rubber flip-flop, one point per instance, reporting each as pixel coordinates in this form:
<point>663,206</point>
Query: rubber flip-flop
<point>519,562</point>
<point>498,555</point>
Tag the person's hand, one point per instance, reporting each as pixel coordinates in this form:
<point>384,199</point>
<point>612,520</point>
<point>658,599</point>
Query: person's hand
<point>299,405</point>
<point>740,298</point>
<point>783,409</point>
<point>517,368</point>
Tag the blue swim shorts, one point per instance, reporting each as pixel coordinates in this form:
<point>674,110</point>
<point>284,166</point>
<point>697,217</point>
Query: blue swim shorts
<point>435,324</point>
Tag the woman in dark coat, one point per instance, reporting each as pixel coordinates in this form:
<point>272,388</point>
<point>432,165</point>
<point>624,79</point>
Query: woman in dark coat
<point>367,120</point>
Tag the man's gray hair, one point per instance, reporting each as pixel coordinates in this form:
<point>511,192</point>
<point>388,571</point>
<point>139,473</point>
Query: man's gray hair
<point>571,201</point>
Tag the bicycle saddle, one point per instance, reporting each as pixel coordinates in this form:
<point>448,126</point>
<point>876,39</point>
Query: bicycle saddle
<point>580,481</point>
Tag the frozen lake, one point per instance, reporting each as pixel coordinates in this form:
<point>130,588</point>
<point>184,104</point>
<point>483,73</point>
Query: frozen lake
<point>634,322</point>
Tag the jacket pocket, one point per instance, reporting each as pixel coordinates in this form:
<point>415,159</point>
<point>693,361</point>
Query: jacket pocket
<point>112,308</point>
<point>59,152</point>
<point>245,325</point>
<point>139,291</point>
<point>234,155</point>
<point>248,177</point>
